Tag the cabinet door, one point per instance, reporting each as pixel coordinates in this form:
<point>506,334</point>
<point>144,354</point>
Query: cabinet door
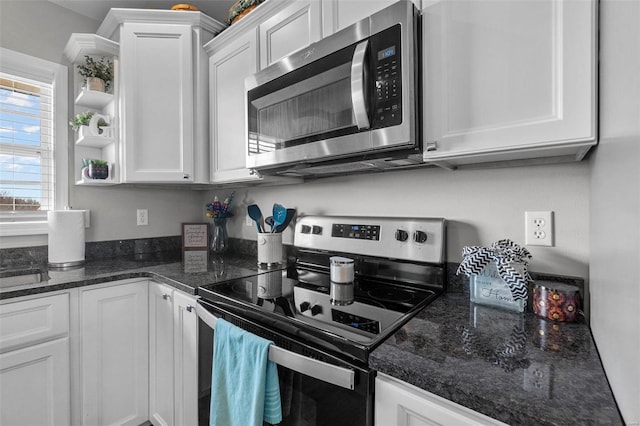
<point>157,102</point>
<point>114,354</point>
<point>509,80</point>
<point>35,385</point>
<point>339,14</point>
<point>186,359</point>
<point>228,68</point>
<point>161,360</point>
<point>293,28</point>
<point>400,404</point>
<point>28,322</point>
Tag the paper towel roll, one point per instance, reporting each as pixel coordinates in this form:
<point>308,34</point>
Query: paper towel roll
<point>66,238</point>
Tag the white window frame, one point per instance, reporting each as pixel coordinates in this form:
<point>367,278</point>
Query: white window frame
<point>32,68</point>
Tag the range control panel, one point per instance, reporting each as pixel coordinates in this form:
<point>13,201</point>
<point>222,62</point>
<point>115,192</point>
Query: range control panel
<point>413,239</point>
<point>362,232</point>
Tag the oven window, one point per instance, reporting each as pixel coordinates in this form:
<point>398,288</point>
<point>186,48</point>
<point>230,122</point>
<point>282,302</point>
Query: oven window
<point>308,401</point>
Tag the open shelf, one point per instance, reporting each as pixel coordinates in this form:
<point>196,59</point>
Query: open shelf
<point>96,182</point>
<point>84,138</point>
<point>93,99</point>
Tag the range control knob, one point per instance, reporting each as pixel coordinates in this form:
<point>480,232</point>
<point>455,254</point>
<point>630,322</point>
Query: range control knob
<point>316,309</point>
<point>316,230</point>
<point>420,237</point>
<point>305,229</point>
<point>401,235</point>
<point>304,306</point>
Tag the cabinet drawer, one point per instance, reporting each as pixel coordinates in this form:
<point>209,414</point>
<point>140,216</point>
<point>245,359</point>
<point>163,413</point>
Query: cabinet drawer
<point>33,321</point>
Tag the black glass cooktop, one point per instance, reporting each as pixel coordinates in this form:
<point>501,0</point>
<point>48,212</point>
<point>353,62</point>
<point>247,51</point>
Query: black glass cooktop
<point>356,316</point>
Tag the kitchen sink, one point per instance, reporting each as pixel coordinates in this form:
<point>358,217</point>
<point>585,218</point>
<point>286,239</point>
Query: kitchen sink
<point>12,277</point>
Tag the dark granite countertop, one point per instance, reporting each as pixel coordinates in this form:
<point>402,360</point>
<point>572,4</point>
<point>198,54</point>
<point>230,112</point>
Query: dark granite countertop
<point>169,270</point>
<point>518,368</point>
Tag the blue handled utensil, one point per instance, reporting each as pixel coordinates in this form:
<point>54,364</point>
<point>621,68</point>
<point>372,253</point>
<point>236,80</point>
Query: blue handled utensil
<point>254,213</point>
<point>279,215</point>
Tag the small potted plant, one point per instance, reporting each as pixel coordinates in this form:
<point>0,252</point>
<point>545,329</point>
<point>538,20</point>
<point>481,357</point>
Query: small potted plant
<point>95,169</point>
<point>98,74</point>
<point>82,120</point>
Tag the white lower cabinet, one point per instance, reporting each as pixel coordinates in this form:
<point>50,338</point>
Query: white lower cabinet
<point>173,357</point>
<point>119,353</point>
<point>34,361</point>
<point>400,404</point>
<point>114,354</point>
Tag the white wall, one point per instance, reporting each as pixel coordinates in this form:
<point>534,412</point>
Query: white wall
<point>615,206</point>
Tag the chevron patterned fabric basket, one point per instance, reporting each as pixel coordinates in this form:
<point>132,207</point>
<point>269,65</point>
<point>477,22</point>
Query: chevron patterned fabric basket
<point>498,274</point>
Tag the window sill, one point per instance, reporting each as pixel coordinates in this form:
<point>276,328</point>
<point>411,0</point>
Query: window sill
<point>15,229</point>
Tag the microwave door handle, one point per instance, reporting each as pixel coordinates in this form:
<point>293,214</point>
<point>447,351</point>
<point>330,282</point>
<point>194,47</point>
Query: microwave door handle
<point>358,86</point>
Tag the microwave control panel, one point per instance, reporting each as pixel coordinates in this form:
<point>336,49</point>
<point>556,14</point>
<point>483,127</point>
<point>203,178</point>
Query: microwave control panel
<point>387,72</point>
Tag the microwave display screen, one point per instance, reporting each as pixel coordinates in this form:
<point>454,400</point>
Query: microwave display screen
<point>390,51</point>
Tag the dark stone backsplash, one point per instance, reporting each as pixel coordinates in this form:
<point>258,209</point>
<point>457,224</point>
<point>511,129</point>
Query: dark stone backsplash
<point>154,248</point>
<point>136,249</point>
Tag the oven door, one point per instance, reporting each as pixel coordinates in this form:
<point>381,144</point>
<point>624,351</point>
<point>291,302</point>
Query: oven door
<point>316,388</point>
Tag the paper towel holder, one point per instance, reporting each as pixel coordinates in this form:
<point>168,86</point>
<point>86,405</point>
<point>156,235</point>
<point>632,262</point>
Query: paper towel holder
<point>66,239</point>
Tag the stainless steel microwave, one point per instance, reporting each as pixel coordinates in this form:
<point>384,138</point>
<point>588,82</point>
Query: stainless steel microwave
<point>352,97</point>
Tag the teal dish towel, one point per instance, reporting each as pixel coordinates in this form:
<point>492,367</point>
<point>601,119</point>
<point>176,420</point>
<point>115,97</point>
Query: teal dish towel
<point>244,384</point>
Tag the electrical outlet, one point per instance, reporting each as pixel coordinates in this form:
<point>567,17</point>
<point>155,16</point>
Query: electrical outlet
<point>248,221</point>
<point>142,217</point>
<point>538,228</point>
<point>537,379</point>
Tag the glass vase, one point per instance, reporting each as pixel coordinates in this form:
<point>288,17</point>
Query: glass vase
<point>220,238</point>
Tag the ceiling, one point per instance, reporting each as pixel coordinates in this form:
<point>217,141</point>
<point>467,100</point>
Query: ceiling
<point>97,9</point>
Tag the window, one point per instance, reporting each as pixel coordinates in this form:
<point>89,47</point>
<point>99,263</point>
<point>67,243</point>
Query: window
<point>33,142</point>
<point>26,160</point>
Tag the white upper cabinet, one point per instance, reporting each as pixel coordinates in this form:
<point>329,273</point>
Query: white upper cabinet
<point>234,55</point>
<point>339,14</point>
<point>163,93</point>
<point>157,102</point>
<point>229,65</point>
<point>508,80</point>
<point>292,28</point>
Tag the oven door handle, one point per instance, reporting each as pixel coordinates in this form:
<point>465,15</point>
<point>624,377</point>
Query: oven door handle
<point>358,89</point>
<point>339,376</point>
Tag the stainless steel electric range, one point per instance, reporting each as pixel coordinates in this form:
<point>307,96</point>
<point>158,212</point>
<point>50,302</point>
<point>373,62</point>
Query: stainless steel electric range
<point>355,282</point>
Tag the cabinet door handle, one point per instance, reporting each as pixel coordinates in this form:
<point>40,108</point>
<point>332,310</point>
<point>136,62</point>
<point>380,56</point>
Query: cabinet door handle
<point>166,296</point>
<point>190,308</point>
<point>432,146</point>
<point>185,176</point>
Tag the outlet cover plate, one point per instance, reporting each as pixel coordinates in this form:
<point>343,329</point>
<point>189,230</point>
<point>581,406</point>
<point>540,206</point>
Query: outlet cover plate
<point>538,228</point>
<point>142,217</point>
